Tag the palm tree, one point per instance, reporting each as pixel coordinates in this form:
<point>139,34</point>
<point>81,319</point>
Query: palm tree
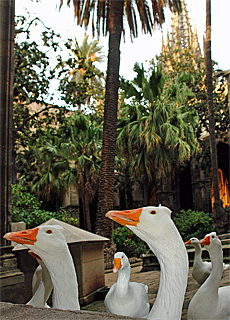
<point>156,130</point>
<point>220,219</point>
<point>87,53</point>
<point>81,82</point>
<point>7,9</point>
<point>69,156</point>
<point>111,13</point>
<point>50,163</point>
<point>85,148</point>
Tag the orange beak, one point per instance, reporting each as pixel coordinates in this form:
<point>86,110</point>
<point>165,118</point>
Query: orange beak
<point>117,264</point>
<point>188,242</point>
<point>205,241</point>
<point>23,237</point>
<point>126,217</point>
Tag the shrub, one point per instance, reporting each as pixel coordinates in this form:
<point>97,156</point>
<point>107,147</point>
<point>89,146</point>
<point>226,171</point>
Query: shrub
<point>127,242</point>
<point>193,224</point>
<point>27,208</point>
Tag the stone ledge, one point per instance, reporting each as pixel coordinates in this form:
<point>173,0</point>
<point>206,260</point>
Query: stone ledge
<point>9,311</point>
<point>11,278</point>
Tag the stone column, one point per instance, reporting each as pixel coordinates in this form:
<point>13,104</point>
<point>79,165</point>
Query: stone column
<point>11,278</point>
<point>201,188</point>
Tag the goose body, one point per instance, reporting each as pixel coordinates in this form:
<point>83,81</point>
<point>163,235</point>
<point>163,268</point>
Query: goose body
<point>124,297</point>
<point>210,301</point>
<point>155,226</point>
<point>201,269</point>
<point>49,243</point>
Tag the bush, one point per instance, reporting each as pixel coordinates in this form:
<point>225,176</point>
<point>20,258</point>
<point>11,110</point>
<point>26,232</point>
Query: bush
<point>127,242</point>
<point>193,224</point>
<point>27,208</point>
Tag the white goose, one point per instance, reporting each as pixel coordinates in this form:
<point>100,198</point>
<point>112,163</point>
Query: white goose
<point>201,269</point>
<point>49,243</point>
<point>41,285</point>
<point>124,297</point>
<point>155,226</point>
<point>210,301</point>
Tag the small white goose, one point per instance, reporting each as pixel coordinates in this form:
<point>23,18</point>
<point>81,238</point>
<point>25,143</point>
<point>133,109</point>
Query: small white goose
<point>49,243</point>
<point>124,297</point>
<point>155,226</point>
<point>201,269</point>
<point>210,301</point>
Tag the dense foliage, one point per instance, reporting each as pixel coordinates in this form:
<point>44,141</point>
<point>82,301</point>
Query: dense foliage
<point>32,100</point>
<point>194,65</point>
<point>193,224</point>
<point>53,146</point>
<point>156,130</point>
<point>27,208</point>
<point>127,242</point>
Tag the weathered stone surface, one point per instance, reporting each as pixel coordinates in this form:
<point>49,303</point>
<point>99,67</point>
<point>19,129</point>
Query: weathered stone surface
<point>9,311</point>
<point>11,278</point>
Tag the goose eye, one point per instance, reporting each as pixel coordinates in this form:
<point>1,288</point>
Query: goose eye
<point>49,231</point>
<point>212,236</point>
<point>153,212</point>
<point>122,257</point>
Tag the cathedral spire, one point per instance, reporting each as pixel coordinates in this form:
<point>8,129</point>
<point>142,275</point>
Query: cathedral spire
<point>182,35</point>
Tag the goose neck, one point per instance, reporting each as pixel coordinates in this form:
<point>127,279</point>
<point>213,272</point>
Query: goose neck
<point>197,248</point>
<point>217,269</point>
<point>64,280</point>
<point>123,280</point>
<point>173,261</point>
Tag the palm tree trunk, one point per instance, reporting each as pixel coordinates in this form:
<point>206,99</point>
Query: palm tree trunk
<point>7,9</point>
<point>86,210</point>
<point>106,183</point>
<point>220,220</point>
<point>146,191</point>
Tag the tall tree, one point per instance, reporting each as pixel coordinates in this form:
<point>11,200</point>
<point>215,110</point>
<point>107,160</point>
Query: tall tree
<point>111,13</point>
<point>69,155</point>
<point>81,81</point>
<point>7,9</point>
<point>31,109</point>
<point>157,131</point>
<point>220,219</point>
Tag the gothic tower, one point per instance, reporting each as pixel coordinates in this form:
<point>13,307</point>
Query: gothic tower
<point>182,36</point>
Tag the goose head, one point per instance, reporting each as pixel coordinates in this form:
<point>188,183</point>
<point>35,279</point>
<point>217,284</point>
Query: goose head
<point>42,241</point>
<point>192,241</point>
<point>148,223</point>
<point>211,241</point>
<point>120,261</point>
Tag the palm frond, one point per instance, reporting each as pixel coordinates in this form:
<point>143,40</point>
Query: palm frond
<point>131,18</point>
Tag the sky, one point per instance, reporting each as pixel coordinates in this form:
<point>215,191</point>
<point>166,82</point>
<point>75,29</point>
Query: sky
<point>145,47</point>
